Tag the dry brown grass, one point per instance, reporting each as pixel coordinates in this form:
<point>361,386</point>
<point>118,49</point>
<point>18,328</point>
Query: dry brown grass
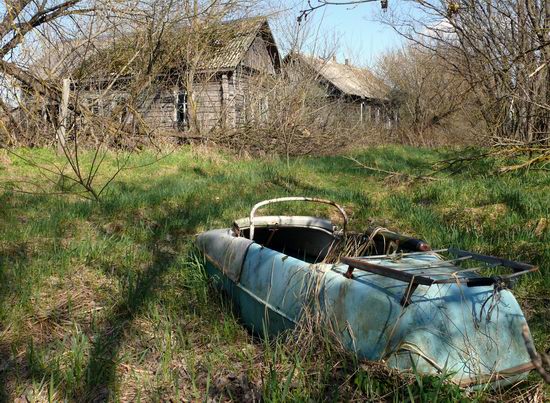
<point>475,218</point>
<point>5,160</point>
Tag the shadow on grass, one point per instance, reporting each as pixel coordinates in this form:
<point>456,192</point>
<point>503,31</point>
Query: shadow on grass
<point>141,288</point>
<point>14,256</point>
<point>4,358</point>
<point>101,369</point>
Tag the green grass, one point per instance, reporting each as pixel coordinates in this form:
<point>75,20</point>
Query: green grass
<point>109,301</point>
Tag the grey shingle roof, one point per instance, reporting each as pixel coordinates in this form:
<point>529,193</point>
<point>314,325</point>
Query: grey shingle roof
<point>348,79</point>
<point>234,39</point>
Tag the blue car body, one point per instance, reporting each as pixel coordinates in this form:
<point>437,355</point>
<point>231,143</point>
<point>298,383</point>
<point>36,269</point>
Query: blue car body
<point>472,333</point>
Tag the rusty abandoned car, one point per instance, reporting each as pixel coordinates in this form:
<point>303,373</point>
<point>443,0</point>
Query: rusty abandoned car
<point>386,296</point>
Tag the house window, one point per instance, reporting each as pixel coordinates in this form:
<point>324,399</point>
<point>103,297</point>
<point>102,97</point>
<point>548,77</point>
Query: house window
<point>181,109</point>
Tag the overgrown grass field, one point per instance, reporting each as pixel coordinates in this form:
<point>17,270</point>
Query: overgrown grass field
<point>108,301</point>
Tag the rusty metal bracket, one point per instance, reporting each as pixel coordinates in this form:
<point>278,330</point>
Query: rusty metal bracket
<point>356,263</point>
<point>414,280</point>
<point>406,299</point>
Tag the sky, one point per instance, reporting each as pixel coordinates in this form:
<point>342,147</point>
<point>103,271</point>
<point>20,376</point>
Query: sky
<point>361,35</point>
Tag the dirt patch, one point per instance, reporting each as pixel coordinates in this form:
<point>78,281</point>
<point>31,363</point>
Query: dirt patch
<point>541,228</point>
<point>237,387</point>
<point>113,227</point>
<point>5,160</point>
<point>141,217</point>
<point>524,250</point>
<point>77,231</point>
<point>336,217</point>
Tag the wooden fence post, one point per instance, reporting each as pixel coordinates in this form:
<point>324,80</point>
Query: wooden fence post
<point>63,112</point>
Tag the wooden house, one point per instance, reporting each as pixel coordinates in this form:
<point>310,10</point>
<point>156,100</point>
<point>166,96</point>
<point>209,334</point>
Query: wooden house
<point>202,90</point>
<point>355,89</point>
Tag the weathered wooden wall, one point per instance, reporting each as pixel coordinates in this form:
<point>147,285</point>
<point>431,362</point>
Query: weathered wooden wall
<point>258,57</point>
<point>159,110</point>
<point>207,96</point>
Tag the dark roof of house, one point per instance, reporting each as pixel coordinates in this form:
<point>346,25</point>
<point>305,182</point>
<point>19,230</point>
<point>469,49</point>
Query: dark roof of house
<point>345,78</point>
<point>222,47</point>
<point>235,38</point>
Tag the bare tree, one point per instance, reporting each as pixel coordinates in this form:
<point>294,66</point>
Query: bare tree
<point>293,114</point>
<point>501,49</point>
<point>434,103</point>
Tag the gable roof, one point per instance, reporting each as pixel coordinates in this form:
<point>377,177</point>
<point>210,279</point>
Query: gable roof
<point>224,47</point>
<point>235,39</point>
<point>346,79</point>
